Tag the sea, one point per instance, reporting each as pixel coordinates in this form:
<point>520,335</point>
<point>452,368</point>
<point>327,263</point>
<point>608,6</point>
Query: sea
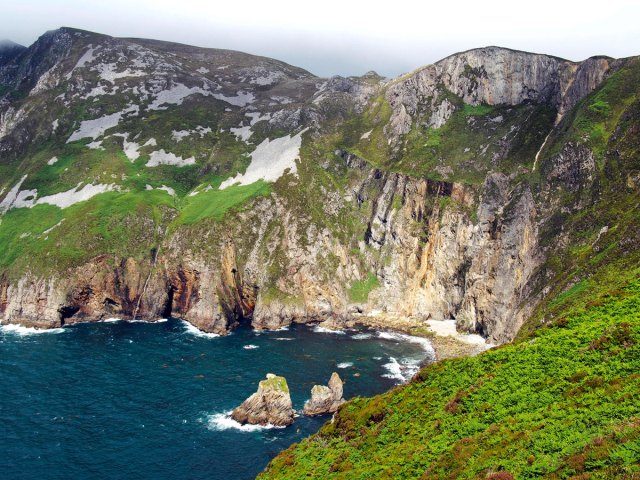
<point>136,400</point>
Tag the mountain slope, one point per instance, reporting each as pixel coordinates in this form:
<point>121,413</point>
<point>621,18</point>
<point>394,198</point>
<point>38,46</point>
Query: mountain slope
<point>563,404</point>
<point>144,178</point>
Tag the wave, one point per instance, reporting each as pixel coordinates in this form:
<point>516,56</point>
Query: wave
<point>195,331</point>
<point>22,331</point>
<point>319,329</point>
<point>250,347</point>
<point>223,421</point>
<point>425,343</point>
<point>402,371</point>
<point>284,339</point>
<point>345,365</point>
<point>362,336</point>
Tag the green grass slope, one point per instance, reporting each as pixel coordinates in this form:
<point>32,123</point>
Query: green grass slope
<point>564,403</point>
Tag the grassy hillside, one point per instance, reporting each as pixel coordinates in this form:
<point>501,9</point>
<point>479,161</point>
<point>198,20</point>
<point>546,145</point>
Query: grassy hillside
<point>563,403</point>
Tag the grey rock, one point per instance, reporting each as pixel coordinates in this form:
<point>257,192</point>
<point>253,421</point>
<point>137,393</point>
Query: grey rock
<point>325,399</point>
<point>270,405</point>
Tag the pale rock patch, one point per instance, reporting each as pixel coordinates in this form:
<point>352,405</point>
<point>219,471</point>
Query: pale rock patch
<point>107,72</point>
<point>76,195</point>
<point>175,96</point>
<point>179,135</point>
<point>96,128</point>
<point>131,149</point>
<point>270,160</point>
<point>160,157</point>
<point>241,99</point>
<point>95,145</point>
<point>87,57</point>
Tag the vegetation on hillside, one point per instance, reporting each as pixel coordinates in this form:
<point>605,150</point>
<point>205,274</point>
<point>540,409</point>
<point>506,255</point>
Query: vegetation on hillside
<point>563,403</point>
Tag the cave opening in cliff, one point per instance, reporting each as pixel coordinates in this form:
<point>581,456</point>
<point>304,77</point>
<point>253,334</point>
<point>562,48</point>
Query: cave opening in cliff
<point>67,312</point>
<point>168,306</point>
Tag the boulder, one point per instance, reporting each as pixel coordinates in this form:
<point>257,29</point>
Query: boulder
<point>270,405</point>
<point>325,399</point>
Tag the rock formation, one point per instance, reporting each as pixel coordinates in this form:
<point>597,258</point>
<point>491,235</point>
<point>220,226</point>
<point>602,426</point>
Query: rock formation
<point>270,405</point>
<point>441,199</point>
<point>325,399</point>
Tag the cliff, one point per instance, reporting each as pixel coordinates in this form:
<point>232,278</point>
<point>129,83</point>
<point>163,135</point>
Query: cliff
<point>434,195</point>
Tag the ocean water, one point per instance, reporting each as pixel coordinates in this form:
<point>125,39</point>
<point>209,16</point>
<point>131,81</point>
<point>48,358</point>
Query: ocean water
<point>141,400</point>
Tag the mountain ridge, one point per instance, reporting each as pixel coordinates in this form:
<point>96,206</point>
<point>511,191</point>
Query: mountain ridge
<point>378,130</point>
<point>498,190</point>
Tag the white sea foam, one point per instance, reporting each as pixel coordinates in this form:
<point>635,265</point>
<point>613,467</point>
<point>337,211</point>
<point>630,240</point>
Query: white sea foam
<point>319,329</point>
<point>394,369</point>
<point>361,336</point>
<point>22,331</point>
<point>401,337</point>
<point>191,329</point>
<point>402,370</point>
<point>223,421</point>
<point>345,365</point>
<point>250,347</point>
<point>283,339</point>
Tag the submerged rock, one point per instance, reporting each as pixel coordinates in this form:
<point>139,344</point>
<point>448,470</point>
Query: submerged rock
<point>325,399</point>
<point>270,405</point>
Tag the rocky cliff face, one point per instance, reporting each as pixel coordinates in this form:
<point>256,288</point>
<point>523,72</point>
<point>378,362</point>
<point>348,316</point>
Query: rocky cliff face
<point>430,196</point>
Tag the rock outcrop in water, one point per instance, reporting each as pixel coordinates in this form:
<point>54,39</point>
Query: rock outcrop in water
<point>325,399</point>
<point>270,405</point>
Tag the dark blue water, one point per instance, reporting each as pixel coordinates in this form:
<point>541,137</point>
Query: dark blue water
<point>138,400</point>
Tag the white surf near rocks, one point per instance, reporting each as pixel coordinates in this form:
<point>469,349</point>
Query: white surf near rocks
<point>270,160</point>
<point>223,421</point>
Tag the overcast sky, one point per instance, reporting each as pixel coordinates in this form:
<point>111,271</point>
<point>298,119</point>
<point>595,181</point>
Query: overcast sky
<point>329,37</point>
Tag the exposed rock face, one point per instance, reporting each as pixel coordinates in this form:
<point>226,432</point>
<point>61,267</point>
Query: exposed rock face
<point>464,247</point>
<point>493,76</point>
<point>270,405</point>
<point>325,399</point>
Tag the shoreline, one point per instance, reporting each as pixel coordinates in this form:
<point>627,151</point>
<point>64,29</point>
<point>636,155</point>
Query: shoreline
<point>444,346</point>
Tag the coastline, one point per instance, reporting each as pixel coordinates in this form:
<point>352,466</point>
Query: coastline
<point>446,344</point>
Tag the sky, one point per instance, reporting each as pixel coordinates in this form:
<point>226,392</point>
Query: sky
<point>340,37</point>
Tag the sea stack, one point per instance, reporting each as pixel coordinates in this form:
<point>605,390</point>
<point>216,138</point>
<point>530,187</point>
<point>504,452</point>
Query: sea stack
<point>270,405</point>
<point>325,399</point>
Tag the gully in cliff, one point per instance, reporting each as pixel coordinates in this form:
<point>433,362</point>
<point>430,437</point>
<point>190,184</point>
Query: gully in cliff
<point>270,405</point>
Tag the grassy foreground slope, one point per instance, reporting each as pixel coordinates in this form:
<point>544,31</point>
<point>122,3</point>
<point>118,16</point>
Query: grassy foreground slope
<point>563,403</point>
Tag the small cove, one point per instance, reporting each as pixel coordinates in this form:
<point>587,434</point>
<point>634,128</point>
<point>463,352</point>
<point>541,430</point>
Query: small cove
<point>149,400</point>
